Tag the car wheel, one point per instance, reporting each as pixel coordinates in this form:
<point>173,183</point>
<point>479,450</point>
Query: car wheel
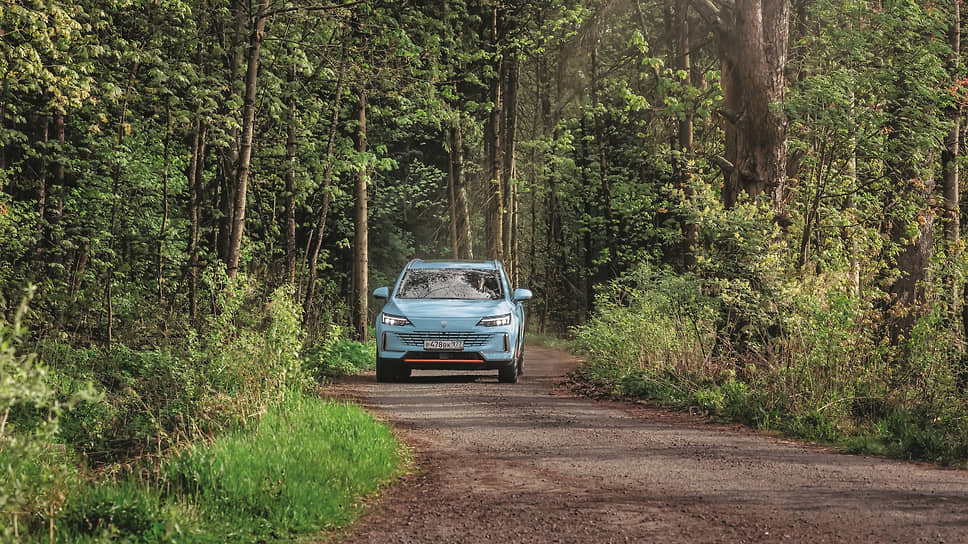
<point>509,374</point>
<point>385,370</point>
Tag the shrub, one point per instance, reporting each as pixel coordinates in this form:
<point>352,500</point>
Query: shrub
<point>36,472</point>
<point>336,355</point>
<point>124,509</point>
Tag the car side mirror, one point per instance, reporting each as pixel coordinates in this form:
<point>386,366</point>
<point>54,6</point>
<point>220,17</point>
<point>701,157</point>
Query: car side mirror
<point>382,292</point>
<point>521,295</point>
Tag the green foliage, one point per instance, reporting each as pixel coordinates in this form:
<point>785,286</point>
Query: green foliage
<point>36,471</point>
<point>337,355</point>
<point>124,511</point>
<point>830,376</point>
<point>301,469</point>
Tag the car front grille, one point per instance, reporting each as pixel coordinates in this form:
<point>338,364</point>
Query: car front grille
<point>470,339</point>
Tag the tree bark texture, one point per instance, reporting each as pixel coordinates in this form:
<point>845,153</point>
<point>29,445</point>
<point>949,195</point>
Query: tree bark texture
<point>461,211</point>
<point>754,37</point>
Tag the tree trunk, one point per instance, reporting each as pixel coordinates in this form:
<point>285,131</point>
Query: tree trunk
<point>609,268</point>
<point>229,164</point>
<point>291,249</point>
<point>492,143</point>
<point>163,231</point>
<point>245,147</point>
<point>464,236</point>
<point>327,181</point>
<point>508,191</point>
<point>195,169</point>
<point>690,231</point>
<point>949,160</point>
<point>754,36</point>
<point>452,194</point>
<point>360,235</point>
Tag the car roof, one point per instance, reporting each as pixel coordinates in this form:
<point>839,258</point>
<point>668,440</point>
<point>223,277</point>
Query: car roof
<point>420,263</point>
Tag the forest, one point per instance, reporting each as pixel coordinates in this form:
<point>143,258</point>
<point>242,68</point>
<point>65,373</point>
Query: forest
<point>749,207</point>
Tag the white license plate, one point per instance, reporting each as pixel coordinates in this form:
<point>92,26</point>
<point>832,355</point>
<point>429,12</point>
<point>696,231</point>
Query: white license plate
<point>443,345</point>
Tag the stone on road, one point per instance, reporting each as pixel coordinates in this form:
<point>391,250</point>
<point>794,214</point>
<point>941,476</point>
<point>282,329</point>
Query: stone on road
<point>530,462</point>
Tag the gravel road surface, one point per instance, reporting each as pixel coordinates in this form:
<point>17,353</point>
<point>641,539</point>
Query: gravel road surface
<point>530,462</point>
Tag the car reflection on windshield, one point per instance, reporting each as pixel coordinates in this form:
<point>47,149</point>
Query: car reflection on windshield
<point>442,283</point>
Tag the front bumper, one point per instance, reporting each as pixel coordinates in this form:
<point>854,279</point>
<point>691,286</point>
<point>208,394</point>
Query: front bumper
<point>489,349</point>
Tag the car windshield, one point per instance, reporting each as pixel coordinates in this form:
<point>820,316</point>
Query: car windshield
<point>450,283</point>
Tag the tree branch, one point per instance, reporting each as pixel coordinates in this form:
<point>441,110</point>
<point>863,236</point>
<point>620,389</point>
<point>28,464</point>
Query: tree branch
<point>712,10</point>
<point>723,163</point>
<point>279,11</point>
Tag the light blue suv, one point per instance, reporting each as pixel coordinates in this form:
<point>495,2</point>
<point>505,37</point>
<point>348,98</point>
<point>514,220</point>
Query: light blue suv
<point>450,315</point>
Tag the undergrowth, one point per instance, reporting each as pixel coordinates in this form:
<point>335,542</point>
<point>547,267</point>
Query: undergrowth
<point>221,438</point>
<point>816,365</point>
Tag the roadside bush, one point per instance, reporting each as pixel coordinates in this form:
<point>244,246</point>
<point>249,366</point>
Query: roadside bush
<point>826,371</point>
<point>336,355</point>
<point>650,327</point>
<point>269,460</point>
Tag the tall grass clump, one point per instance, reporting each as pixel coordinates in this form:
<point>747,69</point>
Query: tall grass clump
<point>641,338</point>
<point>303,469</point>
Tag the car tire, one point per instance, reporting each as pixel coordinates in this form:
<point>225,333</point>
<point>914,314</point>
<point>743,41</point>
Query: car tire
<point>509,374</point>
<point>385,370</point>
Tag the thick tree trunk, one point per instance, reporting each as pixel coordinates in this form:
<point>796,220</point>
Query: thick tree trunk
<point>907,291</point>
<point>245,147</point>
<point>360,236</point>
<point>754,36</point>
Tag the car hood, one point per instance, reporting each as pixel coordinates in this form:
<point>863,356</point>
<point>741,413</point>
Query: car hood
<point>446,308</point>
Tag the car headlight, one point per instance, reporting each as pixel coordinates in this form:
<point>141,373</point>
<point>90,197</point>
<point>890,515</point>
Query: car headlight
<point>495,321</point>
<point>394,320</point>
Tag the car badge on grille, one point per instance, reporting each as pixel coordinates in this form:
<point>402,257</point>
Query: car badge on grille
<point>443,324</point>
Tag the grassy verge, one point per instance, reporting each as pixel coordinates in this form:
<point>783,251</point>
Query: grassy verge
<point>303,468</point>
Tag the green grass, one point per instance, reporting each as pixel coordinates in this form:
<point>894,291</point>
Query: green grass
<point>304,467</point>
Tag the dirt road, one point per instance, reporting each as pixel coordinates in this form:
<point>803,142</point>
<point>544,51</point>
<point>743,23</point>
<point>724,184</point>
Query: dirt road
<point>531,463</point>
